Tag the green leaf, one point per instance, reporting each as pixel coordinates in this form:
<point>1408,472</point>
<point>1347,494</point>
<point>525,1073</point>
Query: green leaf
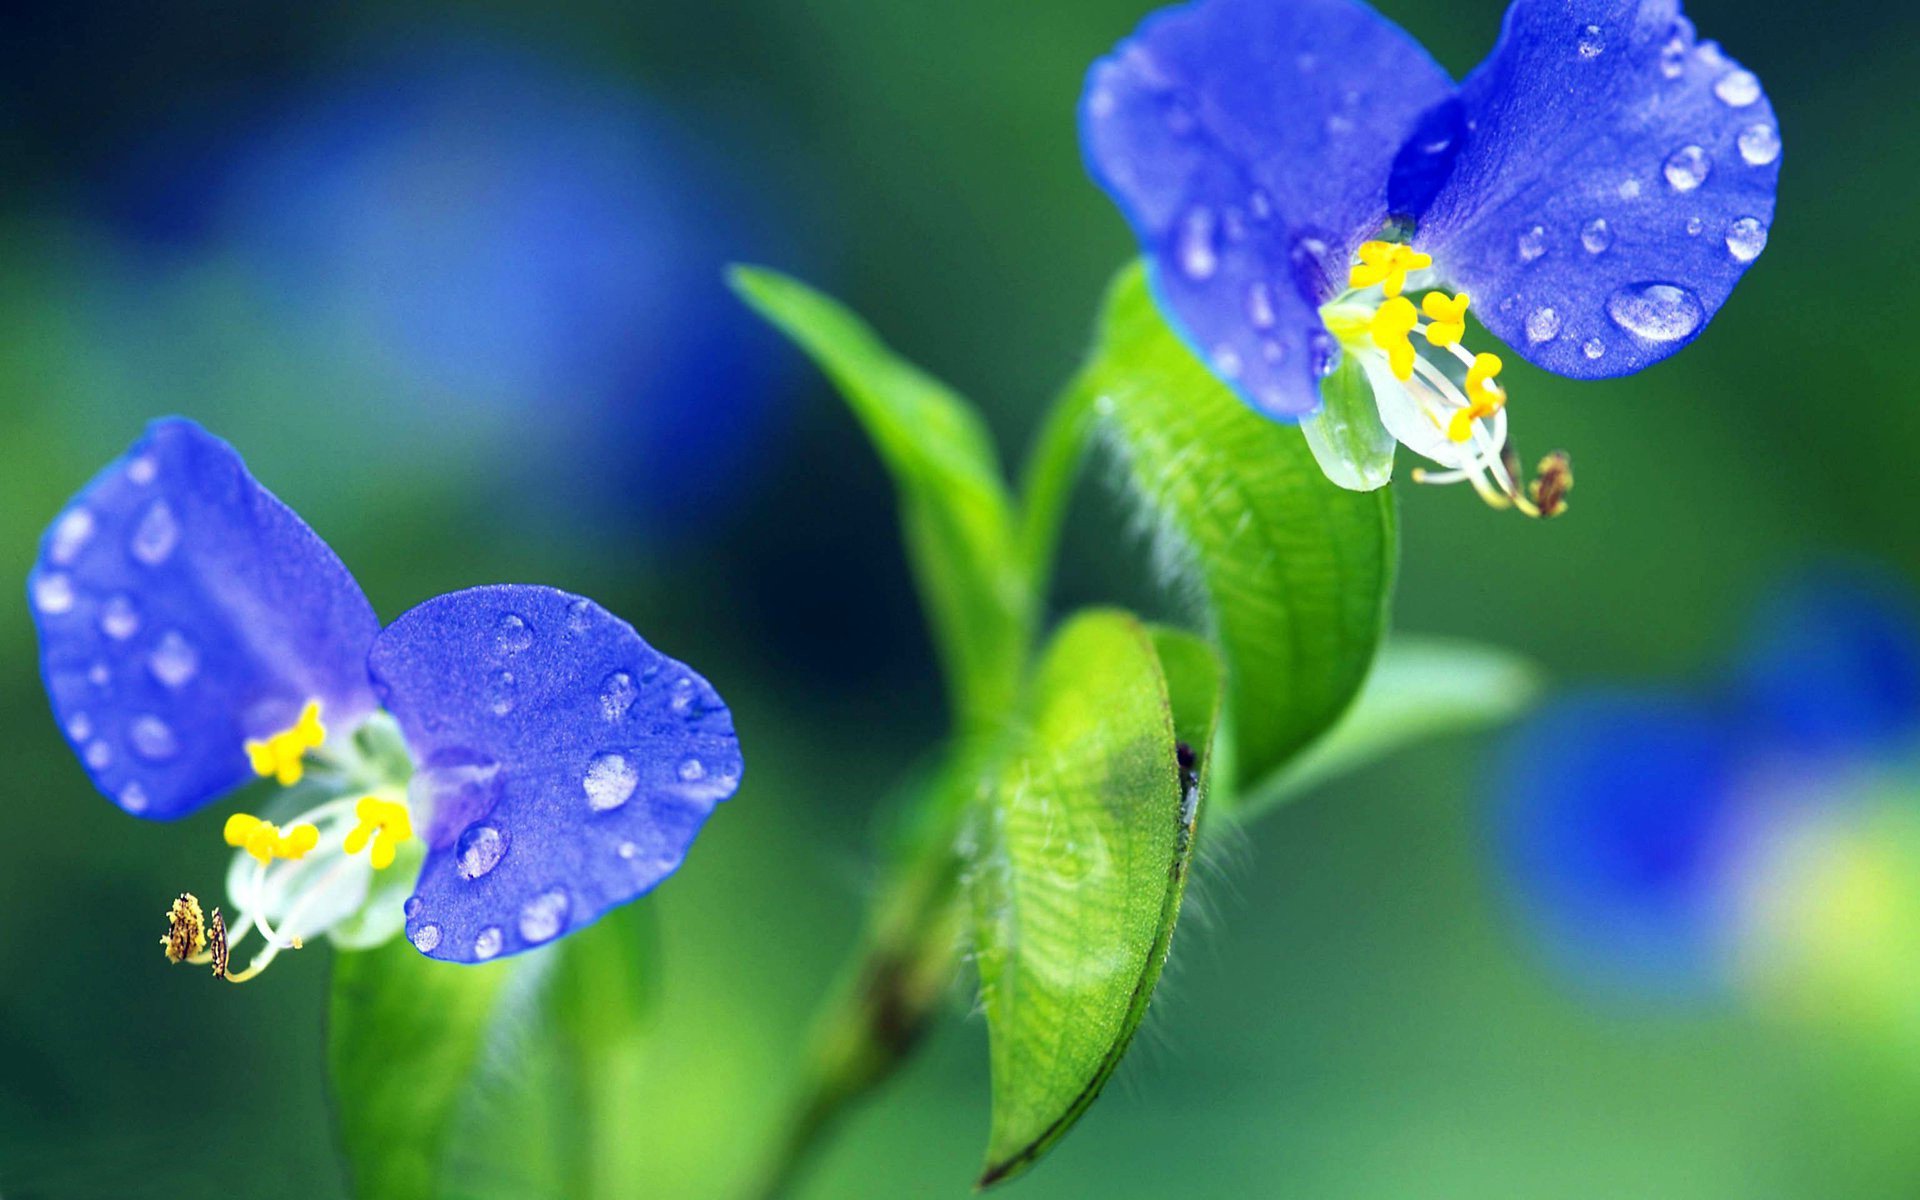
<point>1086,835</point>
<point>1420,688</point>
<point>1295,570</point>
<point>962,536</point>
<point>404,1036</point>
<point>1347,437</point>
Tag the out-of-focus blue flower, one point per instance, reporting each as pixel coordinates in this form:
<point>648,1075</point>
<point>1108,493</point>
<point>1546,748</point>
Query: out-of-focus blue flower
<point>1597,185</point>
<point>1641,831</point>
<point>460,239</point>
<point>536,760</point>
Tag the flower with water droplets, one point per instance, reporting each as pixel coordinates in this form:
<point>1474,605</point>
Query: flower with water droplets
<point>1309,154</point>
<point>196,634</point>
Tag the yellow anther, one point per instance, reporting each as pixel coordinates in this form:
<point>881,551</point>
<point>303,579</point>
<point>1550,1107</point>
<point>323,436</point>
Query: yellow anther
<point>264,841</point>
<point>1480,377</point>
<point>1484,396</point>
<point>385,823</point>
<point>186,930</point>
<point>1446,319</point>
<point>280,754</point>
<point>1391,324</point>
<point>1387,264</point>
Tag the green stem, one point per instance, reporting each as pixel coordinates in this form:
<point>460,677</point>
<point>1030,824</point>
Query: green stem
<point>1052,469</point>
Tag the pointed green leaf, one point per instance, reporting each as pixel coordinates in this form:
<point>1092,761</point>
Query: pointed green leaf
<point>1421,688</point>
<point>1082,858</point>
<point>1296,571</point>
<point>404,1035</point>
<point>959,520</point>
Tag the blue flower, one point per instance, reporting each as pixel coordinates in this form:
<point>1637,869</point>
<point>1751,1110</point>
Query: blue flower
<point>1595,188</point>
<point>523,749</point>
<point>1634,827</point>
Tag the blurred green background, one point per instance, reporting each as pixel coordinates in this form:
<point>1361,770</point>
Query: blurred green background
<point>329,232</point>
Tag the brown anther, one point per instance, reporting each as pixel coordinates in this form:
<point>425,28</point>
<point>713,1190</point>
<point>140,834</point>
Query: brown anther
<point>217,942</point>
<point>1550,487</point>
<point>186,929</point>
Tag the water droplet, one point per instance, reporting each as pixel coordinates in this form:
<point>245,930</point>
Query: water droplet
<point>411,908</point>
<point>1323,353</point>
<point>152,739</point>
<point>1673,55</point>
<point>1759,144</point>
<point>1658,312</point>
<point>486,943</point>
<point>1629,189</point>
<point>425,938</point>
<point>99,675</point>
<point>70,534</point>
<point>156,534</point>
<point>1532,243</point>
<point>142,470</point>
<point>1594,348</point>
<point>1591,43</point>
<point>1227,361</point>
<point>1543,324</point>
<point>579,615</point>
<point>79,727</point>
<point>543,916</point>
<point>173,660</point>
<point>513,635</point>
<point>617,694</point>
<point>99,755</point>
<point>693,769</point>
<point>1737,88</point>
<point>119,619</point>
<point>609,781</point>
<point>133,798</point>
<point>682,698</point>
<point>1746,238</point>
<point>1101,104</point>
<point>1260,205</point>
<point>500,693</point>
<point>1686,168</point>
<point>53,593</point>
<point>629,850</point>
<point>1694,226</point>
<point>479,850</point>
<point>1596,237</point>
<point>1272,350</point>
<point>1339,125</point>
<point>1260,305</point>
<point>1198,258</point>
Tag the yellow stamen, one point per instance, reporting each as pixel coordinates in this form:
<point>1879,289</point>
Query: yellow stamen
<point>386,823</point>
<point>264,841</point>
<point>1484,397</point>
<point>1392,323</point>
<point>280,755</point>
<point>186,929</point>
<point>1447,319</point>
<point>1387,264</point>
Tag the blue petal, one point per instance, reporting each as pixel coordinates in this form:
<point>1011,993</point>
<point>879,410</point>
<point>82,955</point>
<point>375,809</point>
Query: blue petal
<point>183,609</point>
<point>1248,143</point>
<point>1615,181</point>
<point>1614,809</point>
<point>567,764</point>
<point>1833,665</point>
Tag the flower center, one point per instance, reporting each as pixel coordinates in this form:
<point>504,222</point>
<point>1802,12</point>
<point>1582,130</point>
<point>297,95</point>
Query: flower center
<point>305,875</point>
<point>1451,410</point>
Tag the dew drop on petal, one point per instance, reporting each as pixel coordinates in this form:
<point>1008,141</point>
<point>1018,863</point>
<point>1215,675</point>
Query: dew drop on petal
<point>411,909</point>
<point>142,470</point>
<point>70,535</point>
<point>1543,325</point>
<point>425,938</point>
<point>1532,243</point>
<point>1629,189</point>
<point>1658,312</point>
<point>53,593</point>
<point>1694,226</point>
<point>156,534</point>
<point>1272,350</point>
<point>617,693</point>
<point>693,769</point>
<point>1198,257</point>
<point>682,698</point>
<point>133,798</point>
<point>152,739</point>
<point>486,943</point>
<point>609,781</point>
<point>173,659</point>
<point>1759,144</point>
<point>479,850</point>
<point>1673,55</point>
<point>1594,348</point>
<point>513,634</point>
<point>579,615</point>
<point>119,618</point>
<point>1737,88</point>
<point>1323,352</point>
<point>1260,205</point>
<point>99,675</point>
<point>1596,236</point>
<point>1687,168</point>
<point>500,693</point>
<point>1260,305</point>
<point>1226,360</point>
<point>99,756</point>
<point>1591,44</point>
<point>543,916</point>
<point>1746,238</point>
<point>629,850</point>
<point>79,727</point>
